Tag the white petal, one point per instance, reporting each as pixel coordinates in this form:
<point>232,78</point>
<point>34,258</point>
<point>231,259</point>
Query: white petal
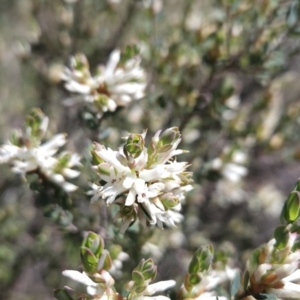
<point>154,174</point>
<point>286,269</point>
<point>139,185</point>
<point>76,87</point>
<point>69,187</point>
<point>109,156</point>
<point>158,287</point>
<point>293,277</point>
<point>56,142</point>
<point>93,290</point>
<point>289,291</point>
<point>130,197</point>
<point>58,178</point>
<point>113,61</point>
<point>176,167</point>
<point>70,173</point>
<point>128,181</point>
<point>79,277</point>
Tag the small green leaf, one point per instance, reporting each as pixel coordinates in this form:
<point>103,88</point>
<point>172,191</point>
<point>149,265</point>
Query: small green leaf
<point>164,148</point>
<point>140,289</point>
<point>89,260</point>
<point>194,279</point>
<point>296,245</point>
<point>194,265</point>
<point>138,278</point>
<point>186,283</point>
<point>296,226</point>
<point>94,242</point>
<point>235,284</point>
<point>293,206</point>
<point>62,294</point>
<point>140,266</point>
<point>96,159</point>
<point>266,297</point>
<point>150,273</point>
<point>107,260</point>
<point>246,280</point>
<point>281,235</point>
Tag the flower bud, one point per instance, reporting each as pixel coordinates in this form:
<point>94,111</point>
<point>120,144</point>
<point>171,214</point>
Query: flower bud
<point>141,276</point>
<point>138,278</point>
<point>205,256</point>
<point>91,252</point>
<point>96,159</point>
<point>101,100</point>
<point>169,200</point>
<point>134,146</point>
<point>79,62</point>
<point>169,136</point>
<point>105,262</point>
<point>148,268</point>
<point>194,265</point>
<point>36,124</point>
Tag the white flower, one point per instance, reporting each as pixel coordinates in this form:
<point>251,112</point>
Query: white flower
<point>152,184</point>
<point>25,153</point>
<point>276,270</point>
<point>92,287</point>
<point>153,289</point>
<point>116,84</point>
<point>105,291</point>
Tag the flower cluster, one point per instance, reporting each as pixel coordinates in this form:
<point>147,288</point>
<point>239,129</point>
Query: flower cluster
<point>26,153</point>
<point>118,83</point>
<point>152,181</point>
<point>100,284</point>
<point>274,267</point>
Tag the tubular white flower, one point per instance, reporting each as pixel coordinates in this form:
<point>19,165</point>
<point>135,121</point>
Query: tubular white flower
<point>92,287</point>
<point>116,84</point>
<point>159,287</point>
